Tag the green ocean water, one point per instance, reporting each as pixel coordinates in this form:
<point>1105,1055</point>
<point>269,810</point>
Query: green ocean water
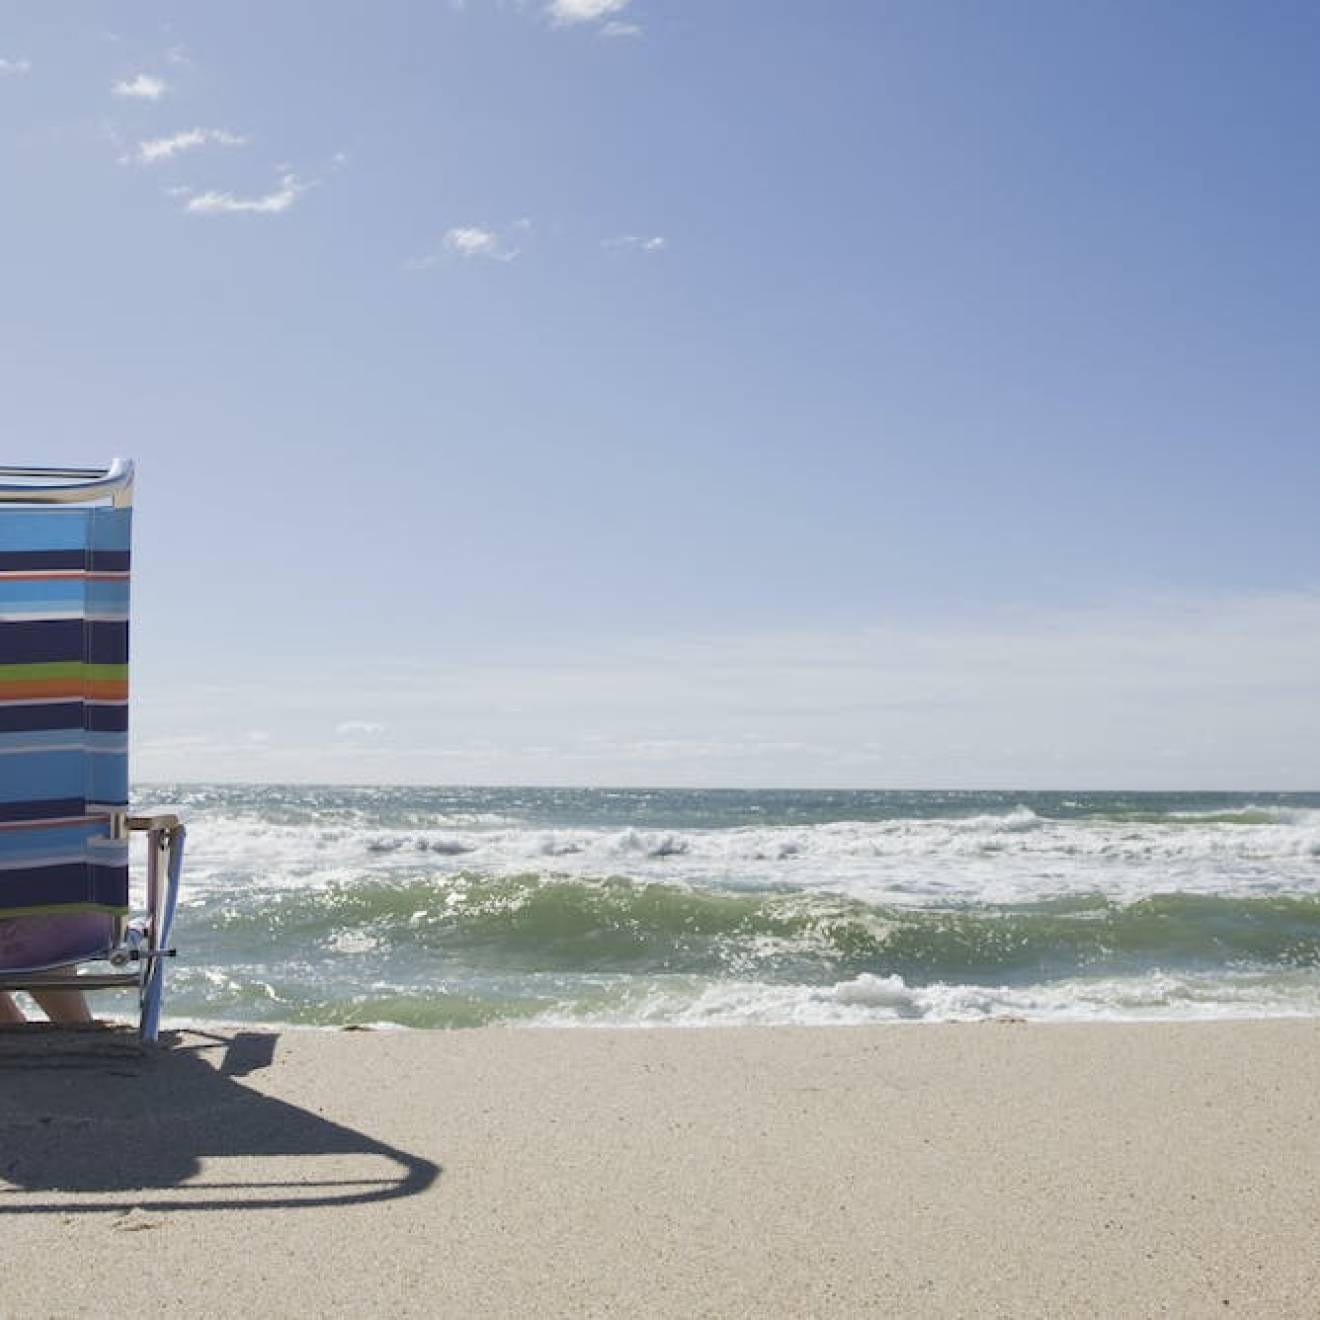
<point>453,907</point>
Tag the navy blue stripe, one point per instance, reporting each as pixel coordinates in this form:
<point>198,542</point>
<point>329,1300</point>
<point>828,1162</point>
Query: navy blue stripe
<point>107,643</point>
<point>30,643</point>
<point>39,561</point>
<point>50,715</point>
<point>103,719</point>
<point>45,809</point>
<point>72,882</point>
<point>40,641</point>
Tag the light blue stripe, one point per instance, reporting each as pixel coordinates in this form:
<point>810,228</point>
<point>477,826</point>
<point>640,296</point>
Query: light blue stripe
<point>66,529</point>
<point>111,529</point>
<point>45,529</point>
<point>107,779</point>
<point>64,596</point>
<point>107,596</point>
<point>54,842</point>
<point>41,775</point>
<point>43,596</point>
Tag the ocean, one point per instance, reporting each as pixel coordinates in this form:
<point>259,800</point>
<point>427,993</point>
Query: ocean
<point>458,907</point>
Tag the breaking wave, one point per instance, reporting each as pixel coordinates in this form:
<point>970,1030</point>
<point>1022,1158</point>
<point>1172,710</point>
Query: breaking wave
<point>458,907</point>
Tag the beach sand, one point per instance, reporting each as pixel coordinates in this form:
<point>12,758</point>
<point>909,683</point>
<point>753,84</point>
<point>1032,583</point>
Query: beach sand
<point>991,1169</point>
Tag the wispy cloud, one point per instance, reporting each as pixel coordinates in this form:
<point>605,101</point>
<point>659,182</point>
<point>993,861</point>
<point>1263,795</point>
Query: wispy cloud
<point>145,87</point>
<point>469,242</point>
<point>226,203</point>
<point>359,729</point>
<point>1152,693</point>
<point>615,28</point>
<point>637,243</point>
<point>566,12</point>
<point>16,67</point>
<point>178,55</point>
<point>155,150</point>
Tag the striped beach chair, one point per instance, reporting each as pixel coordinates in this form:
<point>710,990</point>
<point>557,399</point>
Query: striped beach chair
<point>65,824</point>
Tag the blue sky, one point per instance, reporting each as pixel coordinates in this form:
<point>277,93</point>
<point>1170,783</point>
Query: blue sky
<point>729,392</point>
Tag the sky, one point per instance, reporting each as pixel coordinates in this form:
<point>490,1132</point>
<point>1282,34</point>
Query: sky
<point>687,392</point>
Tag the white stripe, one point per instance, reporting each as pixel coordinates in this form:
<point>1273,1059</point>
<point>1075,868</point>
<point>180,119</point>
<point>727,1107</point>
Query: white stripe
<point>35,748</point>
<point>33,751</point>
<point>45,701</point>
<point>63,618</point>
<point>65,574</point>
<point>61,701</point>
<point>50,821</point>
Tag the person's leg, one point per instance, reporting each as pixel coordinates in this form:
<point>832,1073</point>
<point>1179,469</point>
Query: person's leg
<point>10,1013</point>
<point>65,1006</point>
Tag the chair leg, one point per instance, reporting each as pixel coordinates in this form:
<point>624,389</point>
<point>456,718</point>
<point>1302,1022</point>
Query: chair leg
<point>164,870</point>
<point>152,996</point>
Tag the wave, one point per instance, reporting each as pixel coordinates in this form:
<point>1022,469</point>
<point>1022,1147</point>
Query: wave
<point>459,907</point>
<point>1248,834</point>
<point>870,999</point>
<point>1007,857</point>
<point>537,924</point>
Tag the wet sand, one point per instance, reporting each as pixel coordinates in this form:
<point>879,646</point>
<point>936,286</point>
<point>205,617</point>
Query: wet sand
<point>989,1169</point>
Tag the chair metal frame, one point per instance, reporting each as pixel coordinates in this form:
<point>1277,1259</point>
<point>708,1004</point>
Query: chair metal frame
<point>141,942</point>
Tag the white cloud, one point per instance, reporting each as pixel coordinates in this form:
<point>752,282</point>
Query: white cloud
<point>359,729</point>
<point>156,150</point>
<point>564,12</point>
<point>178,55</point>
<point>614,28</point>
<point>469,241</point>
<point>637,242</point>
<point>224,203</point>
<point>144,87</point>
<point>17,67</point>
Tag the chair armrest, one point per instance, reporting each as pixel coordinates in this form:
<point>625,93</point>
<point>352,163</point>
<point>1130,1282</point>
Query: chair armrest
<point>153,820</point>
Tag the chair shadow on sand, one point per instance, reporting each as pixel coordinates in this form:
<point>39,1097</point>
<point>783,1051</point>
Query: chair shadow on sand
<point>91,1121</point>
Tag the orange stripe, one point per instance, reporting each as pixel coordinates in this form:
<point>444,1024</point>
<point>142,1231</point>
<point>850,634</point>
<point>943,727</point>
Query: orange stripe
<point>46,687</point>
<point>110,690</point>
<point>101,690</point>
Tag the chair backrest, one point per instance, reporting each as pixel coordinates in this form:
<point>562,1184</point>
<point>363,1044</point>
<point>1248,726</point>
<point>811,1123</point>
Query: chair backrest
<point>64,583</point>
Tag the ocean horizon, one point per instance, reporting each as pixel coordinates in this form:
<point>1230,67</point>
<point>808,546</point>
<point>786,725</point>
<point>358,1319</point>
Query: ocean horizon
<point>406,906</point>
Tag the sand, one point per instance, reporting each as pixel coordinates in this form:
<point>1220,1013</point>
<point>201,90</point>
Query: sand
<point>988,1169</point>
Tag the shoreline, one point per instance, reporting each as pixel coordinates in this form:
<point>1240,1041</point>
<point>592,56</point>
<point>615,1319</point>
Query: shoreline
<point>121,1021</point>
<point>1088,1169</point>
